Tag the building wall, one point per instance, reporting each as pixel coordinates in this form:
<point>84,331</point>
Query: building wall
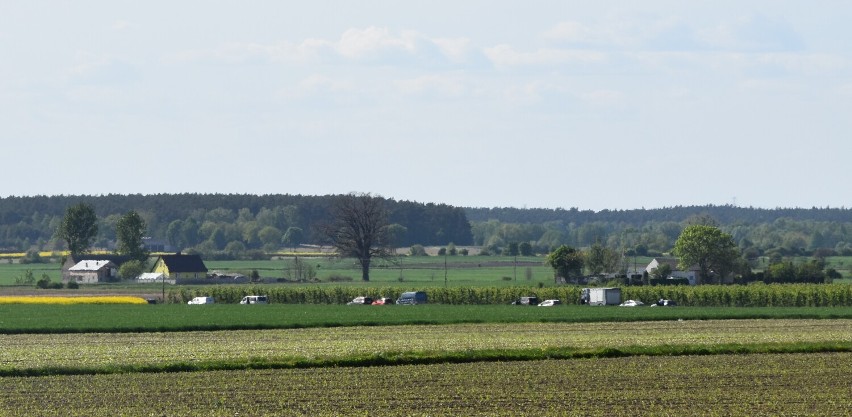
<point>85,277</point>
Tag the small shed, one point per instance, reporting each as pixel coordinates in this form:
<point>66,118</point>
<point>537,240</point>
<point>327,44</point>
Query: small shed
<point>92,272</point>
<point>153,277</point>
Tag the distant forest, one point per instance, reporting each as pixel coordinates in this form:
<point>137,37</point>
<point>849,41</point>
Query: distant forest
<point>212,222</point>
<point>230,222</point>
<point>776,232</point>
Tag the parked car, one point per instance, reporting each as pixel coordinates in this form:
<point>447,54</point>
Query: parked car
<point>664,303</point>
<point>384,301</point>
<point>254,299</point>
<point>526,301</point>
<point>549,303</point>
<point>632,303</point>
<point>360,301</point>
<point>412,298</point>
<point>201,300</point>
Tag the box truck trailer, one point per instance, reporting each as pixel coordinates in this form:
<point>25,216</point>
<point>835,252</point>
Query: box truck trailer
<point>601,296</point>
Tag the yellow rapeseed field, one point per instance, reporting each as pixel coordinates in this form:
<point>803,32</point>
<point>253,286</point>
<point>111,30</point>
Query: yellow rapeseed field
<point>72,300</point>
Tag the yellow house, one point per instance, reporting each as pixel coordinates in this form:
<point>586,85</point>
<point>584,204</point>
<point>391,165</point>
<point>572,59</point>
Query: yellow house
<point>179,266</point>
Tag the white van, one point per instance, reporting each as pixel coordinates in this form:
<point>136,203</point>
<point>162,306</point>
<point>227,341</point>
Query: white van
<point>254,299</point>
<point>201,300</point>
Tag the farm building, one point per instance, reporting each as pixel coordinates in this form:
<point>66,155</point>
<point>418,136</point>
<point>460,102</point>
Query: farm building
<point>693,274</point>
<point>71,261</point>
<point>93,272</point>
<point>153,277</point>
<point>179,266</point>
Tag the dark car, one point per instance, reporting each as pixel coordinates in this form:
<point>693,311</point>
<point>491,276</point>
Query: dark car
<point>526,301</point>
<point>664,303</point>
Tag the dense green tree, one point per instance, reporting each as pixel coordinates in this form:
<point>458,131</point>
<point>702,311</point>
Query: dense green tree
<point>131,269</point>
<point>235,249</point>
<point>79,228</point>
<point>512,249</point>
<point>174,234</point>
<point>396,234</point>
<point>293,237</point>
<point>601,259</point>
<point>417,250</point>
<point>359,229</point>
<point>270,235</point>
<point>566,262</point>
<point>189,232</point>
<point>129,231</point>
<point>662,272</point>
<point>708,247</point>
<point>525,249</point>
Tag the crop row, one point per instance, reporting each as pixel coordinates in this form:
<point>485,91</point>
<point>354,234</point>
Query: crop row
<point>754,295</point>
<point>110,352</point>
<point>729,385</point>
<point>72,300</point>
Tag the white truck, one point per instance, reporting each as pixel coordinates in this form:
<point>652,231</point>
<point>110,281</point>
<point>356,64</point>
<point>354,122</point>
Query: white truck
<point>601,296</point>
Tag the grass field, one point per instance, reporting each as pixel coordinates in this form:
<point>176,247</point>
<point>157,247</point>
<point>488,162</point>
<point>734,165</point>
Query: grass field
<point>33,354</point>
<point>176,317</point>
<point>433,360</point>
<point>402,271</point>
<point>727,385</point>
<point>460,270</point>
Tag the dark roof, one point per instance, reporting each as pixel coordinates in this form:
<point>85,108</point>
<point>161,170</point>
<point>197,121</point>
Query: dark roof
<point>184,263</point>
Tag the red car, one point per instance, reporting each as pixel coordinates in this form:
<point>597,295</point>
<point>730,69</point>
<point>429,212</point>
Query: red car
<point>384,301</point>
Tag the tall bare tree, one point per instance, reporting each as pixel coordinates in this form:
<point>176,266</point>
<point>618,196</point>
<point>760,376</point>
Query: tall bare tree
<point>359,228</point>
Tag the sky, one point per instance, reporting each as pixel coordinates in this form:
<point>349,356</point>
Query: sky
<point>546,104</point>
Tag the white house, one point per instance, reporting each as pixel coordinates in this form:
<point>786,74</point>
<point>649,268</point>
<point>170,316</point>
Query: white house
<point>693,274</point>
<point>92,272</point>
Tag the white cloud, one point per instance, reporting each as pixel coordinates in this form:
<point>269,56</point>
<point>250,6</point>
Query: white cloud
<point>367,45</point>
<point>580,33</point>
<point>456,49</point>
<point>358,43</point>
<point>121,24</point>
<point>317,84</point>
<point>753,33</point>
<point>603,98</point>
<point>441,85</point>
<point>507,56</point>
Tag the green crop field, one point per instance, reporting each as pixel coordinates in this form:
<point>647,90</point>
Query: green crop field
<point>34,354</point>
<point>180,317</point>
<point>727,385</point>
<point>307,354</point>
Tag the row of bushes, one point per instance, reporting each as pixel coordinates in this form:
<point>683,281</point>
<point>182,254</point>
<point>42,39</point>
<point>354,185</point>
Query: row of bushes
<point>753,295</point>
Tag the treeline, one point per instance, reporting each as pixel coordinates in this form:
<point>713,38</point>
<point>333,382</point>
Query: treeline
<point>212,222</point>
<point>757,232</point>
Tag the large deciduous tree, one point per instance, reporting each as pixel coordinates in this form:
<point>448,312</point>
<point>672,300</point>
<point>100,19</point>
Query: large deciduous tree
<point>708,247</point>
<point>359,228</point>
<point>601,259</point>
<point>79,228</point>
<point>566,262</point>
<point>129,231</point>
